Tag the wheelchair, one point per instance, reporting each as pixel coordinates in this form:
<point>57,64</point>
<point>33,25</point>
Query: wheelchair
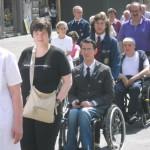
<point>143,114</point>
<point>145,102</point>
<point>112,125</point>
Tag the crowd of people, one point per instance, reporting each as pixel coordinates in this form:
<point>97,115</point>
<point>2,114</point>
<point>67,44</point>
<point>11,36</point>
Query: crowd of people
<point>113,54</point>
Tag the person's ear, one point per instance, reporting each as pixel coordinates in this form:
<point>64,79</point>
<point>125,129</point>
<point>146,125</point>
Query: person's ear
<point>81,52</point>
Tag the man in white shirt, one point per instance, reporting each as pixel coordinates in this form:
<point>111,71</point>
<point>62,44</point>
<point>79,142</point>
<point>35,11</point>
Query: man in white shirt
<point>134,66</point>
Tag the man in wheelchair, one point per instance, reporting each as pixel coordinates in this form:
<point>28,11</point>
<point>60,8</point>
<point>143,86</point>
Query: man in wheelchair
<point>134,65</point>
<point>90,96</point>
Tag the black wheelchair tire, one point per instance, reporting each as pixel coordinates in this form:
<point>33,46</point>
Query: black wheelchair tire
<point>145,120</point>
<point>108,130</point>
<point>62,135</point>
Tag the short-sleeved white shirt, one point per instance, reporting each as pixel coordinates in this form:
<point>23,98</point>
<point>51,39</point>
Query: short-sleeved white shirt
<point>130,65</point>
<point>9,76</point>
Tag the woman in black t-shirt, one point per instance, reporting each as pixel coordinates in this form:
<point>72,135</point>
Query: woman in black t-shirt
<point>51,65</point>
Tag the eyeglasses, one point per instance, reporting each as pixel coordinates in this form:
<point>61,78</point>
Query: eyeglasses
<point>87,49</point>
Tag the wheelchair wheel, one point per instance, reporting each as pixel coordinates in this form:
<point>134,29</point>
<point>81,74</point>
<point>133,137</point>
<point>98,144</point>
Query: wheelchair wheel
<point>114,128</point>
<point>145,116</point>
<point>145,120</point>
<point>63,135</point>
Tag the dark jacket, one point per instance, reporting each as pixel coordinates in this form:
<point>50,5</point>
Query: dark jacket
<point>82,28</point>
<point>99,88</point>
<point>110,53</point>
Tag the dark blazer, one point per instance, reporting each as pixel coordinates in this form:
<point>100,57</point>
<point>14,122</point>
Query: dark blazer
<point>82,28</point>
<point>99,88</point>
<point>110,53</point>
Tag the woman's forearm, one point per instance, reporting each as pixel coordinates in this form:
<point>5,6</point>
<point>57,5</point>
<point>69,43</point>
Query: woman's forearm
<point>66,85</point>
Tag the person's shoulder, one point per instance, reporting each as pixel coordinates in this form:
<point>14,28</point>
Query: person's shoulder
<point>84,21</point>
<point>109,38</point>
<point>77,69</point>
<point>5,53</point>
<point>54,39</point>
<point>126,24</point>
<point>113,38</point>
<point>27,50</point>
<point>68,37</point>
<point>101,65</point>
<point>102,68</point>
<point>146,20</point>
<point>118,21</point>
<point>77,47</point>
<point>70,22</point>
<point>141,53</point>
<point>55,51</point>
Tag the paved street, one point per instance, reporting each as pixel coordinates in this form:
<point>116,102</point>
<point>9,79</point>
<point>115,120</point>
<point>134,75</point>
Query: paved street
<point>136,138</point>
<point>16,44</point>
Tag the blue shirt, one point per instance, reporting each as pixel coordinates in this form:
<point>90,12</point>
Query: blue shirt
<point>140,33</point>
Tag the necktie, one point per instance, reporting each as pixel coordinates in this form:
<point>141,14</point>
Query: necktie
<point>87,73</point>
<point>76,22</point>
<point>98,44</point>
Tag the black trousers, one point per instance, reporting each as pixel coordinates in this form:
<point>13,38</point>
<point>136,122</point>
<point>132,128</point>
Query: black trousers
<point>133,91</point>
<point>38,135</point>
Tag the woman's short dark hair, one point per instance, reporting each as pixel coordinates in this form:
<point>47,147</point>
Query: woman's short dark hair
<point>40,24</point>
<point>74,35</point>
<point>88,40</point>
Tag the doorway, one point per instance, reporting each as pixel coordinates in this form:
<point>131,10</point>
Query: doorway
<point>8,17</point>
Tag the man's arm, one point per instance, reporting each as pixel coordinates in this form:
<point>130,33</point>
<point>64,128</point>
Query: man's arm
<point>86,31</point>
<point>72,96</point>
<point>17,131</point>
<point>108,89</point>
<point>139,75</point>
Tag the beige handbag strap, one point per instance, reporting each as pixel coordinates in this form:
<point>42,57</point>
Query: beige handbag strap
<point>32,63</point>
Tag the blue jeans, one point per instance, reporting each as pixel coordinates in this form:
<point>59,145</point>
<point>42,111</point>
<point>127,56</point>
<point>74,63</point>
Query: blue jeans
<point>81,118</point>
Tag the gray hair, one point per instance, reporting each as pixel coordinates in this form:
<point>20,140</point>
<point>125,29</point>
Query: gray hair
<point>77,8</point>
<point>129,39</point>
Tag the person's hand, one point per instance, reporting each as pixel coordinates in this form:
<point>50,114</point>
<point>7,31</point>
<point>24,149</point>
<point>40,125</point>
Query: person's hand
<point>124,79</point>
<point>130,81</point>
<point>86,104</point>
<point>17,132</point>
<point>76,104</point>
